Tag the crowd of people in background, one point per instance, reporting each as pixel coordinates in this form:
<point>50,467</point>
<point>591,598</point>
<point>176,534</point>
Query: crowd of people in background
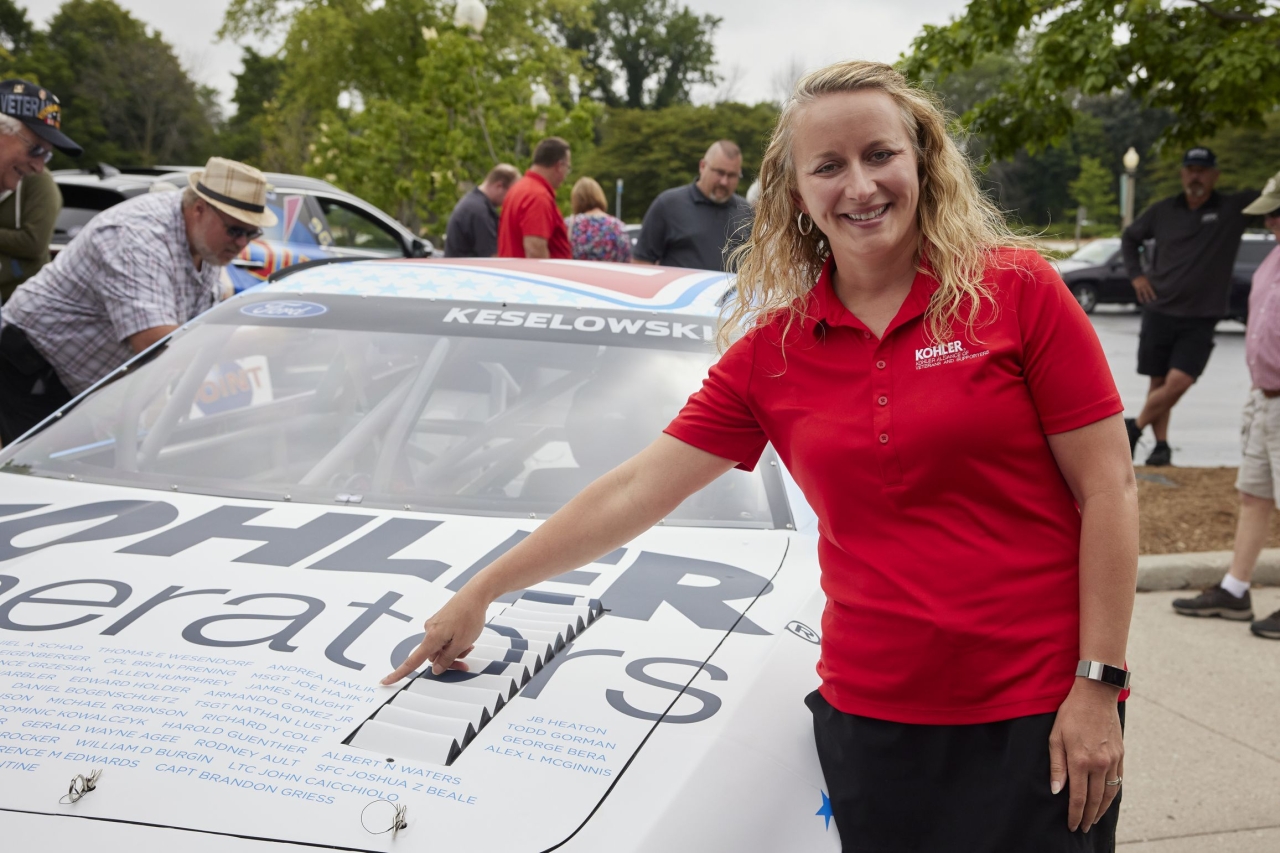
<point>695,226</point>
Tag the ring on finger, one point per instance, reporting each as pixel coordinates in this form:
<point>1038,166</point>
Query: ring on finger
<point>1111,783</point>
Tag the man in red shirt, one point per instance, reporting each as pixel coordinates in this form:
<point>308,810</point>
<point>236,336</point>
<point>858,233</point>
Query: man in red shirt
<point>532,225</point>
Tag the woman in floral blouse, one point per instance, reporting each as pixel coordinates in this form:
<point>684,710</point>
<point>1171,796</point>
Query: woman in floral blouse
<point>593,233</point>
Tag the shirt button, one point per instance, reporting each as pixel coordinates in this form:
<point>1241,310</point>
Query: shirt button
<point>880,364</point>
<point>867,335</point>
<point>884,401</point>
<point>884,438</point>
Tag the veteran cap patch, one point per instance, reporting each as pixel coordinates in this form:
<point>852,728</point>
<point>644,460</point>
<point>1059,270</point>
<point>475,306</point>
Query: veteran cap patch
<point>40,110</point>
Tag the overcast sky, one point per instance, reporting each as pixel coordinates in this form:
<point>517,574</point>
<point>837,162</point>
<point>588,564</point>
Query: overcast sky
<point>758,41</point>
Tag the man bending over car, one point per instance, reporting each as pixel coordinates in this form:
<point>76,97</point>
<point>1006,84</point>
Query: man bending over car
<point>133,275</point>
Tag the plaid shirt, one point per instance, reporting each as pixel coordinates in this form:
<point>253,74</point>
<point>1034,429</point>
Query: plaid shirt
<point>129,270</point>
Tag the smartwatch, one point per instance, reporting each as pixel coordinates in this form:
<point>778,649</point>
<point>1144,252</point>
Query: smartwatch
<point>1107,674</point>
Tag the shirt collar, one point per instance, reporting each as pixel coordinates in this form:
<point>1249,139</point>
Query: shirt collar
<point>699,197</point>
<point>1211,201</point>
<point>489,203</point>
<point>545,183</point>
<point>826,310</point>
<point>180,227</point>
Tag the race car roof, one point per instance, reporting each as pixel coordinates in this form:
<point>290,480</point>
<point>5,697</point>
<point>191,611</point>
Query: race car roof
<point>561,283</point>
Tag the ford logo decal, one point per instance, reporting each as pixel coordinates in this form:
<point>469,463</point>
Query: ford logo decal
<point>284,310</point>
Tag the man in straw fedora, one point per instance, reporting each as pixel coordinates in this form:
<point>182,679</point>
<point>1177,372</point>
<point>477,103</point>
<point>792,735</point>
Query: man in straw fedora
<point>136,272</point>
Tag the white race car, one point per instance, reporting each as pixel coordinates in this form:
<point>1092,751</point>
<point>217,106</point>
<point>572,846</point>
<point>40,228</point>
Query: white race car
<point>209,560</point>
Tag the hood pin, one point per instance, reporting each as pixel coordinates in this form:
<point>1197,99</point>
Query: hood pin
<point>80,785</point>
<point>398,820</point>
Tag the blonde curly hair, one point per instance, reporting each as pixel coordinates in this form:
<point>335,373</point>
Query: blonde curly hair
<point>959,227</point>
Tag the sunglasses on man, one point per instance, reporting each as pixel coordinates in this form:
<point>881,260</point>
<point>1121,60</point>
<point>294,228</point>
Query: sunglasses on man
<point>237,232</point>
<point>38,150</point>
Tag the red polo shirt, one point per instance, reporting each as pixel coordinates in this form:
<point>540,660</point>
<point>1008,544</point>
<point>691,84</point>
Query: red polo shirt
<point>949,540</point>
<point>530,210</point>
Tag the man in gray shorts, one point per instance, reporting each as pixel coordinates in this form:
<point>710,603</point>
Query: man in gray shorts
<point>1260,434</point>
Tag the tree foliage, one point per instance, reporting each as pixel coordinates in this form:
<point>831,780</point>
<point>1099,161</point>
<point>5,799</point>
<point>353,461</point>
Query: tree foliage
<point>16,30</point>
<point>394,103</point>
<point>643,53</point>
<point>1094,190</point>
<point>1034,185</point>
<point>257,85</point>
<point>1208,63</point>
<point>655,150</point>
<point>126,99</point>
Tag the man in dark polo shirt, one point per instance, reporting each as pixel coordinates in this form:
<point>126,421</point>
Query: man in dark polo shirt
<point>697,225</point>
<point>473,225</point>
<point>1186,291</point>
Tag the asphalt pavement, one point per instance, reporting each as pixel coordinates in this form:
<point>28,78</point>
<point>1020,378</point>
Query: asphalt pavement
<point>1204,431</point>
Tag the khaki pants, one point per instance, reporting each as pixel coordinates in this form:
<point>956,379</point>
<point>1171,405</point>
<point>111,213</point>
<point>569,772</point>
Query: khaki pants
<point>1260,445</point>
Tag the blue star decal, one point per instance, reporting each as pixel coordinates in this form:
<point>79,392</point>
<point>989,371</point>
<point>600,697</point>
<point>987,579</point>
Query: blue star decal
<point>825,811</point>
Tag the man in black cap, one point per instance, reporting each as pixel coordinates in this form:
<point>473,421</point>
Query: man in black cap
<point>1185,290</point>
<point>30,128</point>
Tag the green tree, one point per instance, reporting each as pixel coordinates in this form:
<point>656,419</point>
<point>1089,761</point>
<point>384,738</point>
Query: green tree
<point>643,53</point>
<point>1093,189</point>
<point>1208,63</point>
<point>126,98</point>
<point>257,85</point>
<point>396,104</point>
<point>655,150</point>
<point>1033,185</point>
<point>16,31</point>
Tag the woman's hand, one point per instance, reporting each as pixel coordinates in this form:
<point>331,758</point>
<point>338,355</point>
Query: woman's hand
<point>450,634</point>
<point>1086,750</point>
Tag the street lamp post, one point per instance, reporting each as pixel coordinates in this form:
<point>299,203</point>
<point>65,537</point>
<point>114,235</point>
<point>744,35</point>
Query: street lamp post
<point>1129,186</point>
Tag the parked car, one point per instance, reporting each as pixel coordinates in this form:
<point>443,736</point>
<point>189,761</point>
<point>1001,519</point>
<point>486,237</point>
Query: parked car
<point>1096,274</point>
<point>208,561</point>
<point>316,219</point>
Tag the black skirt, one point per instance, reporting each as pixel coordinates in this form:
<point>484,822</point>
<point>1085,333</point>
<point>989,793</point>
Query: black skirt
<point>901,788</point>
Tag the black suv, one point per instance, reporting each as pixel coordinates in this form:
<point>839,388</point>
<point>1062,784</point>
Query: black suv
<point>1095,274</point>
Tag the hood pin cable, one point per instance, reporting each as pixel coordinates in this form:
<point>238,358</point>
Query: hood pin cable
<point>80,785</point>
<point>398,821</point>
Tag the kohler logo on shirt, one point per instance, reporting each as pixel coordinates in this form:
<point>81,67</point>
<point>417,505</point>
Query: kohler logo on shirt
<point>948,353</point>
<point>1209,217</point>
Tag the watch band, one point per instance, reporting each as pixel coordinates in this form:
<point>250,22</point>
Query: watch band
<point>1107,674</point>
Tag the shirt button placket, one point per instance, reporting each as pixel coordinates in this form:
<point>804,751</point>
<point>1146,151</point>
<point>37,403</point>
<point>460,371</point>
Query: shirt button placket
<point>890,470</point>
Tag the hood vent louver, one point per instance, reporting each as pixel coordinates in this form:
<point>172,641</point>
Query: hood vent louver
<point>433,718</point>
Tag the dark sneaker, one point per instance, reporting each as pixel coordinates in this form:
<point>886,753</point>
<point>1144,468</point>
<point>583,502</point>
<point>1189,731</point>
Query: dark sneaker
<point>1269,627</point>
<point>1216,601</point>
<point>1161,455</point>
<point>1135,433</point>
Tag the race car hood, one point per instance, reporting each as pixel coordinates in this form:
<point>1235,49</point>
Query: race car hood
<point>218,661</point>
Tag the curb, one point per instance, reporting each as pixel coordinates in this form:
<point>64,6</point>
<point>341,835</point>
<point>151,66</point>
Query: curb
<point>1199,570</point>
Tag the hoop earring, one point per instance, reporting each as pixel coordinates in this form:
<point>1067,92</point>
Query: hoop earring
<point>800,224</point>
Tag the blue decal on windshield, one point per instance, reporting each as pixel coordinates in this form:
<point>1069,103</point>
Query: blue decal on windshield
<point>284,310</point>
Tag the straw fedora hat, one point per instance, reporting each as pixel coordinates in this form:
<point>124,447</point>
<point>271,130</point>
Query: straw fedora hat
<point>237,190</point>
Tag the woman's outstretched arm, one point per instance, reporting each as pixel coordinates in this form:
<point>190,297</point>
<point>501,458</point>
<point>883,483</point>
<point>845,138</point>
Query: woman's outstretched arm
<point>605,515</point>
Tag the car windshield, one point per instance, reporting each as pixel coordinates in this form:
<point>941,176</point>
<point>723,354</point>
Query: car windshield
<point>402,403</point>
<point>1097,252</point>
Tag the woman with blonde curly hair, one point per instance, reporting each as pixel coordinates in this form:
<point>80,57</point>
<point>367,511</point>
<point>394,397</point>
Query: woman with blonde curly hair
<point>946,408</point>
